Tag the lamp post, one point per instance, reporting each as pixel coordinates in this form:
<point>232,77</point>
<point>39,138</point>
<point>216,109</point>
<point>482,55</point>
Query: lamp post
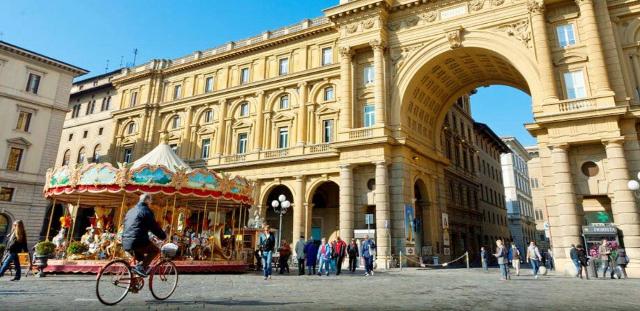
<point>280,206</point>
<point>634,186</point>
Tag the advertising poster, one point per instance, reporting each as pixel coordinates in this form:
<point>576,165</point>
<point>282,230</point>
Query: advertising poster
<point>409,230</point>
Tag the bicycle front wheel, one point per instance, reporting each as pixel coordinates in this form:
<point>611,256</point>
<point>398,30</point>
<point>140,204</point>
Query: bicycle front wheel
<point>163,280</point>
<point>113,282</point>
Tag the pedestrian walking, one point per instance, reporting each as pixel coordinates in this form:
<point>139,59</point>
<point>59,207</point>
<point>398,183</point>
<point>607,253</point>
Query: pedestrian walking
<point>341,252</point>
<point>534,257</point>
<point>300,255</point>
<point>352,251</point>
<point>573,254</point>
<point>17,242</point>
<point>324,257</point>
<point>594,260</point>
<point>484,258</point>
<point>621,261</point>
<point>267,245</point>
<point>285,253</point>
<point>583,260</point>
<point>311,253</point>
<point>515,258</point>
<point>605,258</point>
<point>501,254</point>
<point>368,249</point>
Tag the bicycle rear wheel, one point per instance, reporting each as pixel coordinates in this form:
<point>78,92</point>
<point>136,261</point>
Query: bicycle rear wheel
<point>113,282</point>
<point>163,279</point>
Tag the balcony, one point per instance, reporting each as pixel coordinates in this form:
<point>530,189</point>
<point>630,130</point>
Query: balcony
<point>276,153</point>
<point>578,105</point>
<point>235,158</point>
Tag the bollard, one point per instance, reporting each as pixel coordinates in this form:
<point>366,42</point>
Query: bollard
<point>467,254</point>
<point>400,260</point>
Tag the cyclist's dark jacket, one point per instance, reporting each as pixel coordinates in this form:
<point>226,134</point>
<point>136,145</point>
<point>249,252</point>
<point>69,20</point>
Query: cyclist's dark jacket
<point>137,223</point>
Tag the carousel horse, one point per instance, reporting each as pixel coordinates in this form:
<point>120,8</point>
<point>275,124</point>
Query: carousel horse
<point>60,242</point>
<point>92,240</point>
<point>215,244</point>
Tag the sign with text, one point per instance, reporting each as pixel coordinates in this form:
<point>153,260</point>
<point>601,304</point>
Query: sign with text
<point>368,219</point>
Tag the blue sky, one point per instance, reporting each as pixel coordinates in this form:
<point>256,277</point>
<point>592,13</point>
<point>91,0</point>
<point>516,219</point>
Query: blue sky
<point>87,33</point>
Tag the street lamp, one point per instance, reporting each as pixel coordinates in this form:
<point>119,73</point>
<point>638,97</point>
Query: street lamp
<point>280,206</point>
<point>634,186</point>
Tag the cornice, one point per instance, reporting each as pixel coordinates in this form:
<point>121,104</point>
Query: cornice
<point>355,8</point>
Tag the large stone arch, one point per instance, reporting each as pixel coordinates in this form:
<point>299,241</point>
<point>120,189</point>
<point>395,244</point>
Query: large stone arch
<point>449,72</point>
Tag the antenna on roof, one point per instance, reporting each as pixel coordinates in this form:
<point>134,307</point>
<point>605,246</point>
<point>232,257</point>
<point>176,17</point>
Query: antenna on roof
<point>106,69</point>
<point>135,53</point>
<point>121,61</point>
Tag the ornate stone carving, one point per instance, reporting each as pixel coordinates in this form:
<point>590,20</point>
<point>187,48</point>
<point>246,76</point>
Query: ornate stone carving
<point>535,6</point>
<point>376,44</point>
<point>497,2</point>
<point>430,16</point>
<point>455,37</point>
<point>411,21</point>
<point>351,28</point>
<point>369,23</point>
<point>398,56</point>
<point>476,5</point>
<point>520,30</point>
<point>346,51</point>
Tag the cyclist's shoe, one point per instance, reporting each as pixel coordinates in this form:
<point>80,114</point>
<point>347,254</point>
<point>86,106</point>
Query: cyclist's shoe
<point>140,270</point>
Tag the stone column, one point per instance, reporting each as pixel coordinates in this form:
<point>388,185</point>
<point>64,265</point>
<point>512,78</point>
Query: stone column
<point>186,138</point>
<point>298,208</point>
<point>383,215</point>
<point>625,212</point>
<point>302,114</point>
<point>345,79</point>
<point>591,37</point>
<point>636,73</point>
<point>543,51</point>
<point>347,213</point>
<point>221,128</point>
<point>565,202</point>
<point>378,67</point>
<point>257,133</point>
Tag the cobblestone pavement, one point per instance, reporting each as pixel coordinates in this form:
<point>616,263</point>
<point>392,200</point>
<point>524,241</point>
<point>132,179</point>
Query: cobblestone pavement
<point>411,289</point>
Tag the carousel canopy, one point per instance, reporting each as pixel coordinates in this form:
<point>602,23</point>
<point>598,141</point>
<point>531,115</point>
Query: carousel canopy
<point>162,155</point>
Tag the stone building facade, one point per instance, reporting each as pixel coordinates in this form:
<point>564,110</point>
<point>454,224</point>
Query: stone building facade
<point>34,93</point>
<point>517,189</point>
<point>356,100</point>
<point>540,210</point>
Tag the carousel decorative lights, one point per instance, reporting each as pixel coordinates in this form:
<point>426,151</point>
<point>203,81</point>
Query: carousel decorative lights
<point>182,204</point>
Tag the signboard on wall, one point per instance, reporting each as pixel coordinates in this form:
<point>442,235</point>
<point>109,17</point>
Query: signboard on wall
<point>445,238</point>
<point>409,230</point>
<point>445,221</point>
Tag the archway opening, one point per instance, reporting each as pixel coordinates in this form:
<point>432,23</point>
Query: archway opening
<point>273,218</point>
<point>423,234</point>
<point>325,220</point>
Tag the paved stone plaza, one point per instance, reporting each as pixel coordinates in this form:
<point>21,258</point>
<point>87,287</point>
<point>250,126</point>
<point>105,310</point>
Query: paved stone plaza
<point>454,289</point>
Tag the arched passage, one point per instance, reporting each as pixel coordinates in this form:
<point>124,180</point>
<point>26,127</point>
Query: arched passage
<point>421,205</point>
<point>273,218</point>
<point>324,215</point>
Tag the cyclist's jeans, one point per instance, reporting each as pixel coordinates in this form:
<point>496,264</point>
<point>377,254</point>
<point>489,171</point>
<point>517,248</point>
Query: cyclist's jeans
<point>266,263</point>
<point>145,254</point>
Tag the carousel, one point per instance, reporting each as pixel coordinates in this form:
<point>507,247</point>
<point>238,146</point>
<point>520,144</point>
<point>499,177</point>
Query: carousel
<point>202,211</point>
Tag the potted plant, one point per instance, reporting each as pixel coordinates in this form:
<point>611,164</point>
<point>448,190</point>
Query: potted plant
<point>76,250</point>
<point>44,250</point>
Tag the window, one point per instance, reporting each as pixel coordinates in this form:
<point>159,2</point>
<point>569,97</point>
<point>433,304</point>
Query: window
<point>134,98</point>
<point>70,136</point>
<point>369,115</point>
<point>574,83</point>
<point>106,102</point>
<point>369,74</point>
<point>244,109</point>
<point>177,91</point>
<point>24,120</point>
<point>15,157</point>
<point>283,137</point>
<point>206,145</point>
<point>208,116</point>
<point>100,130</point>
<point>33,83</point>
<point>327,131</point>
<point>81,156</point>
<point>174,148</point>
<point>66,157</point>
<point>84,134</point>
<point>76,111</point>
<point>283,67</point>
<point>328,93</point>
<point>131,128</point>
<point>175,122</point>
<point>242,143</point>
<point>566,36</point>
<point>208,85</point>
<point>244,75</point>
<point>91,106</point>
<point>127,155</point>
<point>284,102</point>
<point>327,56</point>
<point>96,154</point>
<point>6,194</point>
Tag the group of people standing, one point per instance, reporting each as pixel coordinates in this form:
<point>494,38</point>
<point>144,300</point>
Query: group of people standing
<point>611,259</point>
<point>506,255</point>
<point>316,259</point>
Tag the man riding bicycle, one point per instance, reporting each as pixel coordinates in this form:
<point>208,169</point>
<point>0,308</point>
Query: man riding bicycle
<point>138,222</point>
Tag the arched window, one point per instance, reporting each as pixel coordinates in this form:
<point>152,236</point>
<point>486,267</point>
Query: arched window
<point>328,93</point>
<point>284,102</point>
<point>207,116</point>
<point>66,157</point>
<point>96,154</point>
<point>175,122</point>
<point>131,128</point>
<point>244,109</point>
<point>81,155</point>
<point>5,227</point>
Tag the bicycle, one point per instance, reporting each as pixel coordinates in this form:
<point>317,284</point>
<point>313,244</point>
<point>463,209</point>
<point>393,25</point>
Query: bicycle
<point>116,279</point>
